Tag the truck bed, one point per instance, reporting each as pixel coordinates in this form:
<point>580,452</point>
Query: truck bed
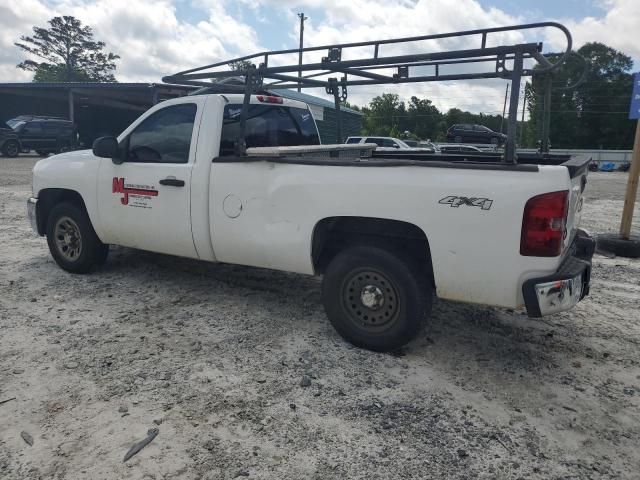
<point>343,155</point>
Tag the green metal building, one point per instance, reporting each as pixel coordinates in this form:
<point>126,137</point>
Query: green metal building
<point>326,116</point>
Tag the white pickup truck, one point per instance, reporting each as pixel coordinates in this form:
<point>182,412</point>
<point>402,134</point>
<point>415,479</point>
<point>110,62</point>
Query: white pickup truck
<point>387,233</point>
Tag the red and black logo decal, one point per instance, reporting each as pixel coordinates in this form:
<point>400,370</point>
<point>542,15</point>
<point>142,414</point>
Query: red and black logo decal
<point>119,187</point>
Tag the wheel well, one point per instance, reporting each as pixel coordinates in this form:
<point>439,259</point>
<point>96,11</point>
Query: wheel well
<point>334,234</point>
<point>49,197</point>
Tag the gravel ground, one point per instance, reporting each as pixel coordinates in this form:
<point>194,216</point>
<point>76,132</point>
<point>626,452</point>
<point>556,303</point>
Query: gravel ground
<point>243,376</point>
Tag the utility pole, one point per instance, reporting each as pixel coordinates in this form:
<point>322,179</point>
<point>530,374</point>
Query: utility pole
<point>302,19</point>
<point>524,108</point>
<point>504,108</point>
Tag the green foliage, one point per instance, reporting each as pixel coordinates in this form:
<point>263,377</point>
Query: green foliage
<point>240,65</point>
<point>593,115</point>
<point>69,53</point>
<point>388,116</point>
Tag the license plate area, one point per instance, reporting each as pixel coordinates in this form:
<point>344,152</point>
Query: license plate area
<point>559,295</point>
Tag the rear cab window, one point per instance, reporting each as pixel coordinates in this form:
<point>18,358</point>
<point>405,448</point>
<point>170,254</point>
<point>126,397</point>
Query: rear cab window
<point>268,126</point>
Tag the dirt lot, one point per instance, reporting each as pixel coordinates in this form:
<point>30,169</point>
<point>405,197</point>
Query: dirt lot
<point>213,356</point>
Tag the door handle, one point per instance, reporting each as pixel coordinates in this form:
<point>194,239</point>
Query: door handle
<point>173,182</point>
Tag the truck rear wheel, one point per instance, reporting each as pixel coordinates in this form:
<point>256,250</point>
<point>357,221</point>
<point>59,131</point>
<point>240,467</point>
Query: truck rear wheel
<point>72,241</point>
<point>374,299</point>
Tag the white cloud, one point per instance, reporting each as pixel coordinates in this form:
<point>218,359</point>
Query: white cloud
<point>147,34</point>
<point>362,20</point>
<point>16,18</point>
<point>153,40</point>
<point>618,28</point>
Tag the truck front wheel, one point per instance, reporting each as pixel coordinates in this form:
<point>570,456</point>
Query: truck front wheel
<point>72,241</point>
<point>374,299</point>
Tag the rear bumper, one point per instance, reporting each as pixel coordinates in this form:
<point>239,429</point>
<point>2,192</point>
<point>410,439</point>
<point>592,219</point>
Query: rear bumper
<point>567,286</point>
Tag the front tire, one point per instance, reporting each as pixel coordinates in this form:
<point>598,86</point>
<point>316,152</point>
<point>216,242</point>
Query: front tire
<point>374,299</point>
<point>72,241</point>
<point>11,148</point>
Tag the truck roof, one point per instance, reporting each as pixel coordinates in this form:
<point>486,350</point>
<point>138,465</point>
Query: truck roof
<point>255,99</point>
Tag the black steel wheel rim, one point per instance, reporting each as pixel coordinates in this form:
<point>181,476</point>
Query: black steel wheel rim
<point>370,300</point>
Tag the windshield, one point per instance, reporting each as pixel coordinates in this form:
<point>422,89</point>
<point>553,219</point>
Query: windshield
<point>15,123</point>
<point>401,143</point>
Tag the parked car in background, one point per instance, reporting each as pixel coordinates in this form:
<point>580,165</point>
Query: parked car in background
<point>43,134</point>
<point>389,143</point>
<point>468,133</point>
<point>9,141</point>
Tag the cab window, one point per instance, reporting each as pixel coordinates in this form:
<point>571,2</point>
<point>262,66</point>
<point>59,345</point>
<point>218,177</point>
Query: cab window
<point>268,126</point>
<point>164,136</point>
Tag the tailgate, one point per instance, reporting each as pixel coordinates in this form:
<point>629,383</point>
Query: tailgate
<point>578,169</point>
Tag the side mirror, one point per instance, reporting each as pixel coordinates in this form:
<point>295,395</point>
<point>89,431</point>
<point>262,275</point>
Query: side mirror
<point>106,147</point>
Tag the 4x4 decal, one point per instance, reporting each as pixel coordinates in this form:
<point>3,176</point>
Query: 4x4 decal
<point>455,201</point>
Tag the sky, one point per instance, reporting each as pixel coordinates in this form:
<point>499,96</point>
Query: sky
<point>158,37</point>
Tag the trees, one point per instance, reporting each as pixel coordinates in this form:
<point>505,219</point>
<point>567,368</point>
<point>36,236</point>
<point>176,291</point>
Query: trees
<point>593,115</point>
<point>69,53</point>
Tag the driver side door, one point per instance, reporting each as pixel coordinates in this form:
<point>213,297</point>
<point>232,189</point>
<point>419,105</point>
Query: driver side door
<point>145,202</point>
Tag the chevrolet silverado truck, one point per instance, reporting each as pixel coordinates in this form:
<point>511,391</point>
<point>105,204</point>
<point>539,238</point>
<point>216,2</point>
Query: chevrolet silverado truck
<point>386,233</point>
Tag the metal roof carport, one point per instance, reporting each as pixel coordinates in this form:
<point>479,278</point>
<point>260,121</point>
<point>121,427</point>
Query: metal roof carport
<point>100,109</point>
<point>96,108</point>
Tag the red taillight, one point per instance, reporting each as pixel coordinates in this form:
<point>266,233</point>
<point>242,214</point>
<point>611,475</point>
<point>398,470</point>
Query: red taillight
<point>543,225</point>
<point>265,99</point>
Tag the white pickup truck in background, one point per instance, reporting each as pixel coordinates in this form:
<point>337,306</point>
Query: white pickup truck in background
<point>387,233</point>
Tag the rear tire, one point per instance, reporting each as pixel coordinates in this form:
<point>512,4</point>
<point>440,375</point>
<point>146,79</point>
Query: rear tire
<point>495,141</point>
<point>11,148</point>
<point>614,243</point>
<point>73,243</point>
<point>457,139</point>
<point>374,299</point>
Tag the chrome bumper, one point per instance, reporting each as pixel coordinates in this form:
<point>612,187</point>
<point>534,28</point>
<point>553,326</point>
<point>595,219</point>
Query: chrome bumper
<point>558,296</point>
<point>32,213</point>
<point>565,288</point>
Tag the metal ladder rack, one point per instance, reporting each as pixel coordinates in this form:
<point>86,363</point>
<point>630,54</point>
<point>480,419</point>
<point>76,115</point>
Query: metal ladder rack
<point>273,72</point>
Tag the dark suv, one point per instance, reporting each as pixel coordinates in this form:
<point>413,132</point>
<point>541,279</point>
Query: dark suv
<point>468,133</point>
<point>9,141</point>
<point>42,134</point>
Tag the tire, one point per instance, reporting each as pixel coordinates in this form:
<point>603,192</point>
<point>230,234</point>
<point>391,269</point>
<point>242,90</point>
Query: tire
<point>11,148</point>
<point>68,225</point>
<point>389,299</point>
<point>457,139</point>
<point>495,141</point>
<point>614,243</point>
